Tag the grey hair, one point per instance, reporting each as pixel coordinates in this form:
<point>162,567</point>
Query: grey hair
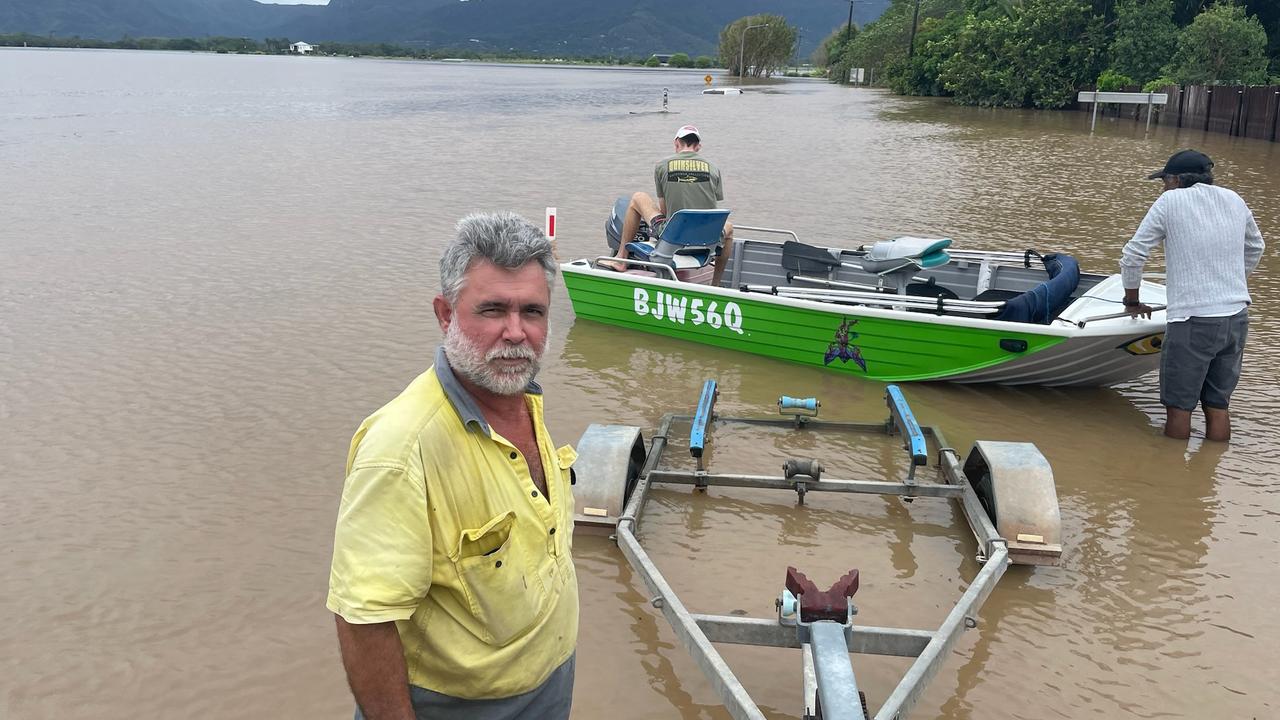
<point>1186,180</point>
<point>503,238</point>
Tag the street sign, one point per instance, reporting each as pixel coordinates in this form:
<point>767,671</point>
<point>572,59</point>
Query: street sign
<point>1149,99</point>
<point>1126,98</point>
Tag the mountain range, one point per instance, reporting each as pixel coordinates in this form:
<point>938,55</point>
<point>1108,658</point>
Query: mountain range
<point>557,27</point>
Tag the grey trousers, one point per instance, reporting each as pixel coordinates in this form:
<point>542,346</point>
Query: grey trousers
<point>1201,361</point>
<point>550,700</point>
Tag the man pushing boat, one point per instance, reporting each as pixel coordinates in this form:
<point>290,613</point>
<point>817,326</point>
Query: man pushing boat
<point>1211,242</point>
<point>684,181</point>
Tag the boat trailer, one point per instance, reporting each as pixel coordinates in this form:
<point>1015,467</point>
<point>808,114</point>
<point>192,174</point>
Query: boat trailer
<point>1005,490</point>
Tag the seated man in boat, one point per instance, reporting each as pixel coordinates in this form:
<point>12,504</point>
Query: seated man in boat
<point>684,180</point>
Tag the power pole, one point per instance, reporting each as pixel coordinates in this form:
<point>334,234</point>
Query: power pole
<point>915,19</point>
<point>742,44</point>
<point>848,28</point>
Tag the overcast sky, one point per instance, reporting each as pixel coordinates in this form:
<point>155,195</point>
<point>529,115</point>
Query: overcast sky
<point>295,2</point>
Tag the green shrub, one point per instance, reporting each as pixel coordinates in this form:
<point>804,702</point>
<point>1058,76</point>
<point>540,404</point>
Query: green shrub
<point>680,60</point>
<point>704,61</point>
<point>1035,56</point>
<point>1110,81</point>
<point>1222,46</point>
<point>1158,83</point>
<point>652,61</point>
<point>1145,38</point>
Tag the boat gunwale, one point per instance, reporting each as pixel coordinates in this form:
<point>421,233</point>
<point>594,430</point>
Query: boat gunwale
<point>1136,328</point>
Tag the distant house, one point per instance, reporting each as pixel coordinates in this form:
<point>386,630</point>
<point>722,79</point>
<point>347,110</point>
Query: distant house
<point>301,48</point>
<point>663,58</point>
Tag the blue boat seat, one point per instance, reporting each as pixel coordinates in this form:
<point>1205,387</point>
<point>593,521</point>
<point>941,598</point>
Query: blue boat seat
<point>906,252</point>
<point>688,240</point>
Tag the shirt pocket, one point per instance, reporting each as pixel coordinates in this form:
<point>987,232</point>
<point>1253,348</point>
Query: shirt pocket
<point>499,577</point>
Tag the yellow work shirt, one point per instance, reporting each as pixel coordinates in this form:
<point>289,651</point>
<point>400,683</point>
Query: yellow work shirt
<point>442,530</point>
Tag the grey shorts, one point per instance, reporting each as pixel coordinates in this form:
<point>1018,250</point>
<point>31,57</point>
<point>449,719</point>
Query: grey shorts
<point>549,701</point>
<point>1200,361</point>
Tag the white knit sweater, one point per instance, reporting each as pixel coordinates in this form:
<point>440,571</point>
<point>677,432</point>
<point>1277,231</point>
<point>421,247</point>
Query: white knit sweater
<point>1210,243</point>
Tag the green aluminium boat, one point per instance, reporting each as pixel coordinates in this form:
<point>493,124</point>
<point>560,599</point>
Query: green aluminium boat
<point>909,309</point>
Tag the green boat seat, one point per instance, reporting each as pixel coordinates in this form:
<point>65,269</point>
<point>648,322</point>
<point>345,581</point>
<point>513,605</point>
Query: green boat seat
<point>906,252</point>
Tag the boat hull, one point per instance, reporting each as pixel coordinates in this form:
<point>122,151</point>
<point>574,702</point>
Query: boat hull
<point>879,344</point>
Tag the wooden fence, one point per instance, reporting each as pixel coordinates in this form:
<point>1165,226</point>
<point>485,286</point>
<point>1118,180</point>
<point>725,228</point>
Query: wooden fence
<point>1232,109</point>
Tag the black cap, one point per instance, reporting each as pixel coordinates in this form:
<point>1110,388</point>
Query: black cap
<point>1183,162</point>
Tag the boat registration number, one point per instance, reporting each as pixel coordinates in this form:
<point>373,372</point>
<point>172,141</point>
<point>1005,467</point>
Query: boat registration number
<point>680,310</point>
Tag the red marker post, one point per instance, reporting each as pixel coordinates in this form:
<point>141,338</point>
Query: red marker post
<point>551,231</point>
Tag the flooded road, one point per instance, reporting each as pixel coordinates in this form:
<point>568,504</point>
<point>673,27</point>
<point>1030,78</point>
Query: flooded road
<point>213,267</point>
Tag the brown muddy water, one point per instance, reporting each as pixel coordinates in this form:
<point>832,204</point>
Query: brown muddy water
<point>213,267</point>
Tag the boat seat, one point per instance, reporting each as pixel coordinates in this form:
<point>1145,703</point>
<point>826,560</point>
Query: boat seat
<point>901,253</point>
<point>688,240</point>
<point>931,289</point>
<point>994,295</point>
<point>804,259</point>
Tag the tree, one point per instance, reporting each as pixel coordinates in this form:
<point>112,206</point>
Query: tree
<point>1222,46</point>
<point>1267,12</point>
<point>704,61</point>
<point>884,43</point>
<point>680,60</point>
<point>1034,55</point>
<point>831,50</point>
<point>653,61</point>
<point>1145,40</point>
<point>182,44</point>
<point>935,44</point>
<point>764,50</point>
<point>1184,11</point>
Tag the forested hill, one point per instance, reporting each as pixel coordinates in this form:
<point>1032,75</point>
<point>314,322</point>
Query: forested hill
<point>569,27</point>
<point>112,19</point>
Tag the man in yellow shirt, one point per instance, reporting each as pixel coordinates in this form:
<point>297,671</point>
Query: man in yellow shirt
<point>452,583</point>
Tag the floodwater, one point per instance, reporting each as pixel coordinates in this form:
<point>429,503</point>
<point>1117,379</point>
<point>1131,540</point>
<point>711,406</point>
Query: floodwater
<point>213,267</point>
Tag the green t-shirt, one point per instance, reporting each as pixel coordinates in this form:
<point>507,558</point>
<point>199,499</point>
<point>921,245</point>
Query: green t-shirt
<point>687,181</point>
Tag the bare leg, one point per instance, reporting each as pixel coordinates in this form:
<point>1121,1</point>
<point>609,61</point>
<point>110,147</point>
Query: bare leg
<point>1217,424</point>
<point>722,262</point>
<point>1177,423</point>
<point>641,207</point>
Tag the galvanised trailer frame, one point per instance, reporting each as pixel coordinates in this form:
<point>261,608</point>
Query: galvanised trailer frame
<point>1004,489</point>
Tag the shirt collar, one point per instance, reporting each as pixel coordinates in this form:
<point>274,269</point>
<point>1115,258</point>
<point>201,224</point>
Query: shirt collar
<point>463,402</point>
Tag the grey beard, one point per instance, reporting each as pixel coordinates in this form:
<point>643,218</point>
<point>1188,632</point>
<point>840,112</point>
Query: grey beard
<point>476,365</point>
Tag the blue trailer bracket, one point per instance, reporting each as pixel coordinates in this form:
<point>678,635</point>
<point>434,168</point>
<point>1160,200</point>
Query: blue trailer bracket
<point>702,419</point>
<point>902,420</point>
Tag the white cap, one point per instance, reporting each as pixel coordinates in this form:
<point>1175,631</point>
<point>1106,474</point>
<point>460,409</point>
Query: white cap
<point>686,130</point>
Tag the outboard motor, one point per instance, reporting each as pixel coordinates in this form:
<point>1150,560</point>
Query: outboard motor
<point>613,226</point>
